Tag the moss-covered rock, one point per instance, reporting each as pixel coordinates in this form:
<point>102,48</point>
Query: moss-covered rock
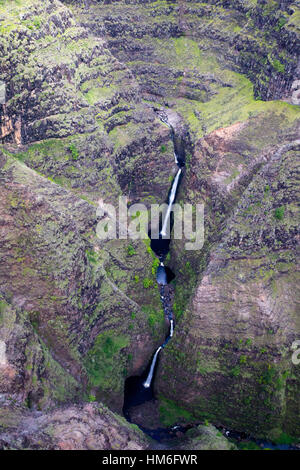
<point>206,438</point>
<point>71,287</point>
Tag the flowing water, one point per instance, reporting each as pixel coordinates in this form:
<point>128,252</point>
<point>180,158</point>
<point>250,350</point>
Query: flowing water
<point>148,381</point>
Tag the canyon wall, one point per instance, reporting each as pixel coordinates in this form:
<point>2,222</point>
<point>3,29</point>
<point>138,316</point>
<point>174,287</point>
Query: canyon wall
<point>83,82</point>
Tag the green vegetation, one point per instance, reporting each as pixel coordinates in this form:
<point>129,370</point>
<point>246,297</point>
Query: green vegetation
<point>91,398</point>
<point>104,361</point>
<point>285,438</point>
<point>248,445</point>
<point>155,315</point>
<point>37,22</point>
<point>278,66</point>
<point>3,306</point>
<point>147,283</point>
<point>235,371</point>
<point>155,264</point>
<point>170,413</point>
<point>74,152</point>
<point>92,256</point>
<point>281,22</point>
<point>99,93</point>
<point>243,359</point>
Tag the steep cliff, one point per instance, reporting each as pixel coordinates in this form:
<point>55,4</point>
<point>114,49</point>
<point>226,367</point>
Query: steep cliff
<point>257,37</point>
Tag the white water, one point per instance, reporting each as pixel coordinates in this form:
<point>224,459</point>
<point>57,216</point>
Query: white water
<point>171,200</point>
<point>171,328</point>
<point>176,159</point>
<point>148,381</point>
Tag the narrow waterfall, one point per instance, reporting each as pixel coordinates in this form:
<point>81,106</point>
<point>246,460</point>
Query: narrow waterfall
<point>148,381</point>
<point>171,200</point>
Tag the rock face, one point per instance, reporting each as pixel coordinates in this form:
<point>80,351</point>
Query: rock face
<point>234,344</point>
<point>61,154</point>
<point>90,427</point>
<point>84,84</point>
<point>258,38</point>
<point>53,269</point>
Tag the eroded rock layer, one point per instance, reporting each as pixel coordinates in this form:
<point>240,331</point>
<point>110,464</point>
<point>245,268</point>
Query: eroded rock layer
<point>85,84</point>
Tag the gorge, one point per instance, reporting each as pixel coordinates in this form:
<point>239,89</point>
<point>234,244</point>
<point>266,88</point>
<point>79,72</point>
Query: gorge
<point>134,387</point>
<point>148,100</point>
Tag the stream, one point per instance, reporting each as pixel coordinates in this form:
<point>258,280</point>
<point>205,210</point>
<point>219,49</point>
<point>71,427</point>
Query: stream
<point>139,390</point>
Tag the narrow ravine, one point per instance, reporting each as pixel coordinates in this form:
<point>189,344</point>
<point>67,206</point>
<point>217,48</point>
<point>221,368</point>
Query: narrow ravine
<point>138,390</point>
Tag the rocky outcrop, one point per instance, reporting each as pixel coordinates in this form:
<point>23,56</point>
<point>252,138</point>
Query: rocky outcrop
<point>257,38</point>
<point>79,427</point>
<point>91,426</point>
<point>29,373</point>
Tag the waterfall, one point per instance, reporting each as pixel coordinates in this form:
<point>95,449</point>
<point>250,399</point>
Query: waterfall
<point>138,390</point>
<point>171,328</point>
<point>148,381</point>
<point>171,200</point>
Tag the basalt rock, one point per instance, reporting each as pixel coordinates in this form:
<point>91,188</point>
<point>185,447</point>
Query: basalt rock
<point>74,130</point>
<point>260,39</point>
<point>89,426</point>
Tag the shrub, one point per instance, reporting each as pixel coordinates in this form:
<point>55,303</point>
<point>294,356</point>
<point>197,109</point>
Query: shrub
<point>147,283</point>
